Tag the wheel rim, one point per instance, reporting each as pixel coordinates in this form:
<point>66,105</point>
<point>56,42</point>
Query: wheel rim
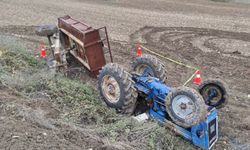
<point>212,90</point>
<point>183,106</point>
<point>111,89</point>
<point>141,69</point>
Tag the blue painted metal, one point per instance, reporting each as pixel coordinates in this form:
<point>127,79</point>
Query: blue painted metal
<point>203,135</point>
<point>208,129</point>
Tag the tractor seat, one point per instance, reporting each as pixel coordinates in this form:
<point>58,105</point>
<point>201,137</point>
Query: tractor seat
<point>46,30</point>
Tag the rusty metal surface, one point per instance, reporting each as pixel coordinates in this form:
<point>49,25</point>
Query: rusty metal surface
<point>87,41</point>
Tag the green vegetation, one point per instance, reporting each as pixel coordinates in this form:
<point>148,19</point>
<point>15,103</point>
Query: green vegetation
<point>14,57</point>
<point>24,73</point>
<point>13,61</point>
<point>83,98</point>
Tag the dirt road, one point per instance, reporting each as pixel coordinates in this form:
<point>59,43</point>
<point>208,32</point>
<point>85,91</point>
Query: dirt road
<point>214,37</point>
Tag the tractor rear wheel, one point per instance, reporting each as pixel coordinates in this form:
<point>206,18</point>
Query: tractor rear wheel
<point>185,107</point>
<point>117,88</point>
<point>217,90</point>
<point>152,65</point>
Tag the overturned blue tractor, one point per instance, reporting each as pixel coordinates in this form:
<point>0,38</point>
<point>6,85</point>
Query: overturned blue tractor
<point>190,112</point>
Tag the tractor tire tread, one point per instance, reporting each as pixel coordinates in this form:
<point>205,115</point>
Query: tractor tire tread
<point>201,107</point>
<point>154,63</point>
<point>221,84</point>
<point>128,99</point>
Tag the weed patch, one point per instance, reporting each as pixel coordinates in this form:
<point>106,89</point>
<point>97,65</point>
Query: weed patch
<point>80,103</point>
<point>84,100</point>
<point>14,57</point>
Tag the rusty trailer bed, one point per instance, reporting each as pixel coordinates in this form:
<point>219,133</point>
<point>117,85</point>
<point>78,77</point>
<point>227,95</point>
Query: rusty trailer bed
<point>84,42</point>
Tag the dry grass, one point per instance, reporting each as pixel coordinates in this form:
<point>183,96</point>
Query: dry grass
<point>81,104</point>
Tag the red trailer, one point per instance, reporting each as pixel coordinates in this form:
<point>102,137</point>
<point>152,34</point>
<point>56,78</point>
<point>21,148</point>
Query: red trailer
<point>84,43</point>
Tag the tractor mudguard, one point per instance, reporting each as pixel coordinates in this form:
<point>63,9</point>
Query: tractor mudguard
<point>117,88</point>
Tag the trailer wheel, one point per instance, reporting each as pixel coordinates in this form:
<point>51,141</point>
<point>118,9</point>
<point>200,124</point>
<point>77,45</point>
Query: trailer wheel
<point>117,88</point>
<point>185,107</point>
<point>214,92</point>
<point>152,65</point>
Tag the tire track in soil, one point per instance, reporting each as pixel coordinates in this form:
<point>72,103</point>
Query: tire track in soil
<point>188,44</point>
<point>207,49</point>
<point>26,33</point>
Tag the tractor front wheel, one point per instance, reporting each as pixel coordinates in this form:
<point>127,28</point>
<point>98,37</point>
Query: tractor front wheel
<point>117,88</point>
<point>152,65</point>
<point>185,107</point>
<point>214,93</point>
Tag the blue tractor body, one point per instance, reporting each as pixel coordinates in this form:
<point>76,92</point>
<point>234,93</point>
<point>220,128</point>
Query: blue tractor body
<point>190,112</point>
<point>203,135</point>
